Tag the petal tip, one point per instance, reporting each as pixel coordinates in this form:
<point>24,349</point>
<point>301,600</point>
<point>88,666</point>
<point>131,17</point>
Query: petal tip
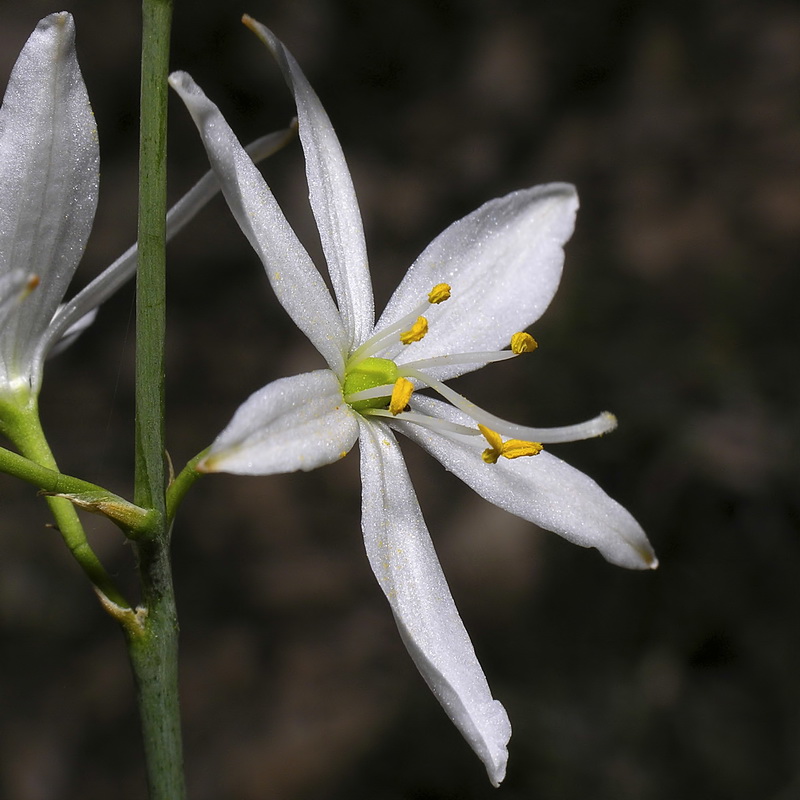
<point>60,26</point>
<point>62,19</point>
<point>180,81</point>
<point>260,30</point>
<point>496,770</point>
<point>645,557</point>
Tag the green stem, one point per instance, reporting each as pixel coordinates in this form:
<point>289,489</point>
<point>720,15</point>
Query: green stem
<point>153,649</point>
<point>182,483</point>
<point>153,653</point>
<point>135,522</point>
<point>50,480</point>
<point>22,426</point>
<point>151,278</point>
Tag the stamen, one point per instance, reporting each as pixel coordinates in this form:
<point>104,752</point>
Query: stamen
<point>401,394</point>
<point>520,343</point>
<point>424,421</point>
<point>513,448</point>
<point>453,359</point>
<point>523,343</point>
<point>495,442</point>
<point>32,283</point>
<point>439,294</point>
<point>416,332</point>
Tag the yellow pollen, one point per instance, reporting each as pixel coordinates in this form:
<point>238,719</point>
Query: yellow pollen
<point>401,394</point>
<point>416,332</point>
<point>495,439</point>
<point>439,293</point>
<point>513,448</point>
<point>523,343</point>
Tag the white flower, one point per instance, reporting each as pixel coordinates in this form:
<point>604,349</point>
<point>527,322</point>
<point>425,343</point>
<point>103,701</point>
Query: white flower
<point>477,285</point>
<point>49,168</point>
<point>49,174</point>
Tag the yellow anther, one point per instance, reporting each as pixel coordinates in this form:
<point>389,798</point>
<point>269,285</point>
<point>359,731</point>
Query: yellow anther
<point>416,332</point>
<point>490,455</point>
<point>523,343</point>
<point>401,394</point>
<point>495,450</point>
<point>439,293</point>
<point>513,448</point>
<point>493,437</point>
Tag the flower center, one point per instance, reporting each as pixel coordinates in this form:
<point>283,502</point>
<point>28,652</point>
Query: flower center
<point>371,382</point>
<point>366,376</point>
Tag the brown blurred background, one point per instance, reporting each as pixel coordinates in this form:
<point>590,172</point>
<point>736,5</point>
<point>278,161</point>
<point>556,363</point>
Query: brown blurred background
<point>680,124</point>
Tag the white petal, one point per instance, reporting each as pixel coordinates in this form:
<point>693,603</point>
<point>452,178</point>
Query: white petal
<point>542,489</point>
<point>111,279</point>
<point>297,423</point>
<point>402,557</point>
<point>333,199</point>
<point>503,263</point>
<point>15,288</point>
<point>296,281</point>
<point>48,181</point>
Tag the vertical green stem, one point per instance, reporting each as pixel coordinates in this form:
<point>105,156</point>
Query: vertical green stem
<point>153,652</point>
<point>151,278</point>
<point>154,648</point>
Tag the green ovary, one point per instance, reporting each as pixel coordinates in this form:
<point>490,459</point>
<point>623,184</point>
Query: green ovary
<point>368,374</point>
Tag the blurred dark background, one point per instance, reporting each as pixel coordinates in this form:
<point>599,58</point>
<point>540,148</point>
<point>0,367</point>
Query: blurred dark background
<point>680,124</point>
